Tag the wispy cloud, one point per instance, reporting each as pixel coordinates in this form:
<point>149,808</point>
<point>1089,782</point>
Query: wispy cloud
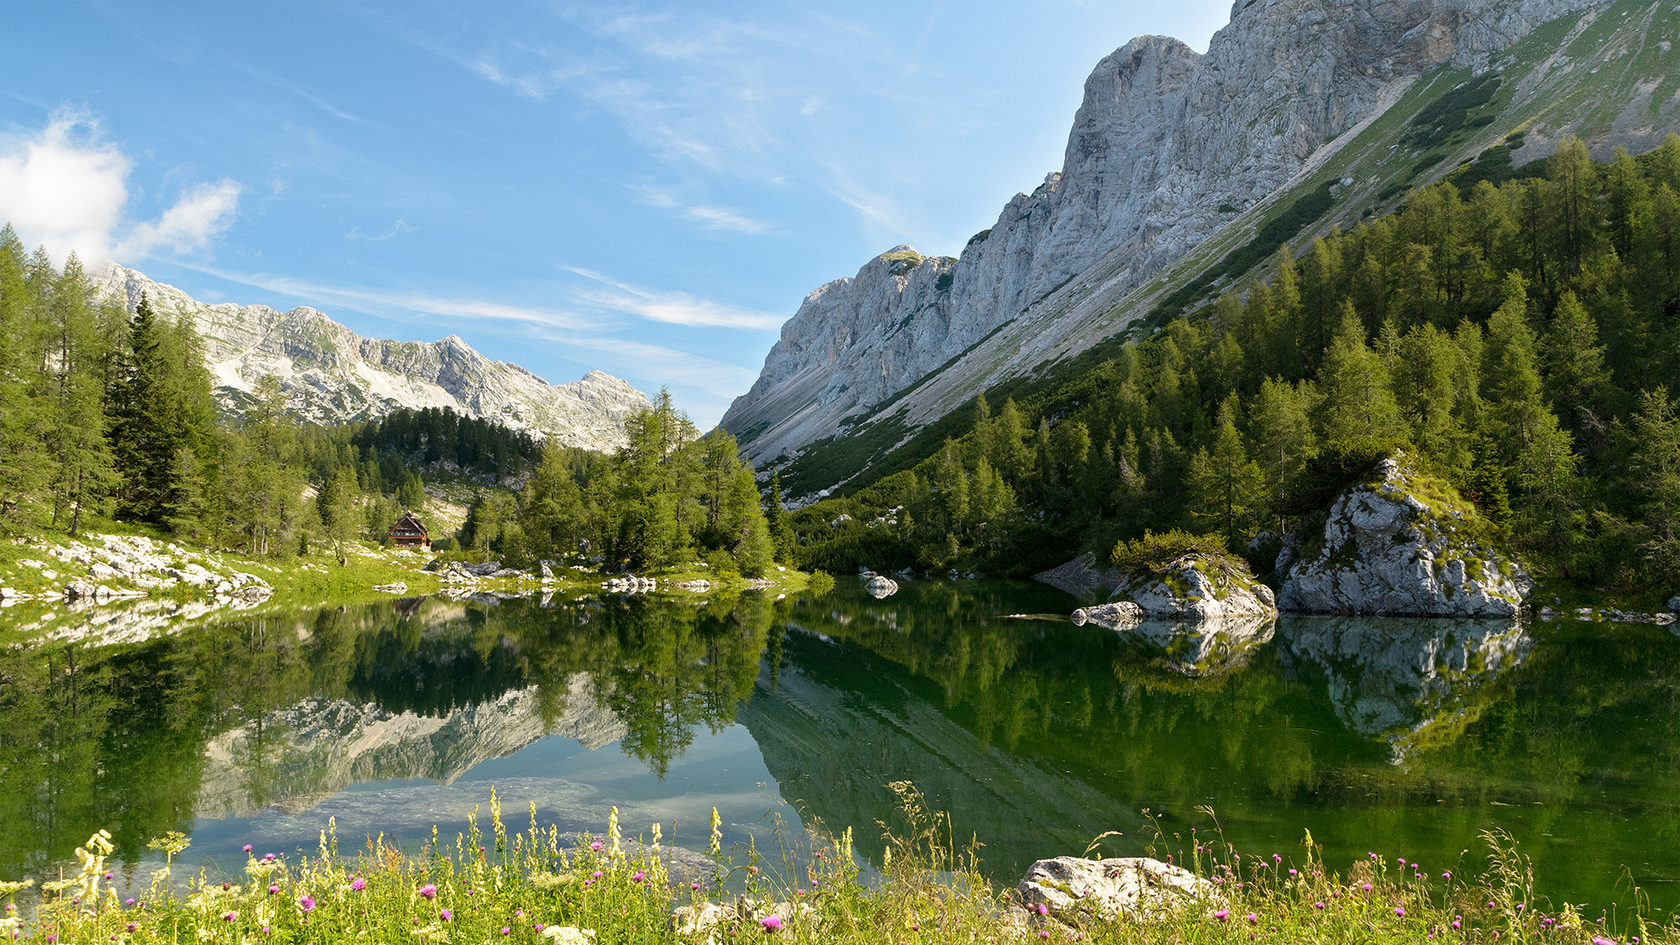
<point>708,216</point>
<point>403,306</point>
<point>397,229</point>
<point>671,308</point>
<point>66,188</point>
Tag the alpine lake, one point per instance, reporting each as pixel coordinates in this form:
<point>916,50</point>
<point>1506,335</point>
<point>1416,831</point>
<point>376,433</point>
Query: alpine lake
<point>1404,738</point>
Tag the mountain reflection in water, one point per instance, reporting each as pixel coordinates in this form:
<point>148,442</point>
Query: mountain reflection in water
<point>1397,735</point>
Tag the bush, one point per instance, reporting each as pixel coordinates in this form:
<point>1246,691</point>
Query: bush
<point>1152,553</point>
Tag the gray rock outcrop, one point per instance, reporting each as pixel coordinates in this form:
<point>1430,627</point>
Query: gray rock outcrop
<point>1113,888</point>
<point>1198,587</point>
<point>329,374</point>
<point>1401,545</point>
<point>879,586</point>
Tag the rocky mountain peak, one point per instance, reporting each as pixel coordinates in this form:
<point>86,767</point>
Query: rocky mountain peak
<point>329,374</point>
<point>1168,148</point>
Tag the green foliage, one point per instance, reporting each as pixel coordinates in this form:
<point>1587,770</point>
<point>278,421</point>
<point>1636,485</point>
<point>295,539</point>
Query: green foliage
<point>1149,555</point>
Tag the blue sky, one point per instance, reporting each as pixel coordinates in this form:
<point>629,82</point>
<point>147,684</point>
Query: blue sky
<point>649,190</point>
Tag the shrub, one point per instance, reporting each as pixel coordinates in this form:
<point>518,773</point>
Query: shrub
<point>1151,553</point>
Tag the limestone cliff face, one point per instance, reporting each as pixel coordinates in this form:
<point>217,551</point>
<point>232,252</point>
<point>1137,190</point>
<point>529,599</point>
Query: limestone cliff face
<point>1168,147</point>
<point>330,374</point>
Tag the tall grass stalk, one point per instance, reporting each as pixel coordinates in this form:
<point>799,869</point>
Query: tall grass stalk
<point>530,887</point>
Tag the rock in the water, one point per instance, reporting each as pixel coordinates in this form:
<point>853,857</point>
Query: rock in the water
<point>1115,615</point>
<point>879,587</point>
<point>1198,586</point>
<point>1123,886</point>
<point>395,587</point>
<point>1404,545</point>
<point>1674,603</point>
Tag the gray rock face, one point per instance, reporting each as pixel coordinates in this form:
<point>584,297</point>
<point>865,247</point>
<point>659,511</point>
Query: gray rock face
<point>1112,888</point>
<point>1165,147</point>
<point>330,374</point>
<point>1388,552</point>
<point>1199,587</point>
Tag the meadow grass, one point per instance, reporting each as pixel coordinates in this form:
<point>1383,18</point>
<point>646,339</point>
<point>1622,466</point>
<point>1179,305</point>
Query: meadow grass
<point>531,887</point>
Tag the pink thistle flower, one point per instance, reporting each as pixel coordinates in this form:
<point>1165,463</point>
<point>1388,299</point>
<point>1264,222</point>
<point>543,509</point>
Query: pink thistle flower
<point>596,846</point>
<point>445,914</point>
<point>428,891</point>
<point>1400,911</point>
<point>771,923</point>
<point>1043,909</point>
<point>247,848</point>
<point>306,904</point>
<point>358,884</point>
<point>1223,915</point>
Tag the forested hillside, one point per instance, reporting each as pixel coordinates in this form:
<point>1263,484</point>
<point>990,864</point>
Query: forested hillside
<point>106,415</point>
<point>1521,338</point>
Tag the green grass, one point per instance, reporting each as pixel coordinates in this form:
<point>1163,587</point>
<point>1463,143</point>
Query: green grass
<point>490,884</point>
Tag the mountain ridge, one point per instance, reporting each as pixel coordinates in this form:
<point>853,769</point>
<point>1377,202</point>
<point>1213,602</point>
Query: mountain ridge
<point>1176,159</point>
<point>329,374</point>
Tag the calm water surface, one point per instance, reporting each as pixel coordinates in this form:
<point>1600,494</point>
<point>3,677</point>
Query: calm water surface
<point>1403,737</point>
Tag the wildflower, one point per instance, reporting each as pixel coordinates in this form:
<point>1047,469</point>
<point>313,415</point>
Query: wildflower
<point>1447,874</point>
<point>1400,911</point>
<point>596,846</point>
<point>1043,909</point>
<point>445,915</point>
<point>1043,933</point>
<point>1223,915</point>
<point>229,916</point>
<point>1252,918</point>
<point>693,885</point>
<point>132,927</point>
<point>1601,940</point>
<point>596,874</point>
<point>1292,871</point>
<point>247,848</point>
<point>1318,905</point>
<point>715,845</point>
<point>273,890</point>
<point>358,884</point>
<point>1456,924</point>
<point>771,923</point>
<point>1277,858</point>
<point>1365,886</point>
<point>428,891</point>
<point>506,930</point>
<point>638,877</point>
<point>307,904</point>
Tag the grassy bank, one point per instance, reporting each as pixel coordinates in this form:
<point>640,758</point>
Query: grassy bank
<point>40,565</point>
<point>489,885</point>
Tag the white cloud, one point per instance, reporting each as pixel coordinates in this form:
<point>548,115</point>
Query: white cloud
<point>397,229</point>
<point>710,217</point>
<point>672,308</point>
<point>200,216</point>
<point>66,188</point>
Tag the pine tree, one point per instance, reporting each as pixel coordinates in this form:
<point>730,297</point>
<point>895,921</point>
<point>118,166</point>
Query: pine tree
<point>82,468</point>
<point>1358,396</point>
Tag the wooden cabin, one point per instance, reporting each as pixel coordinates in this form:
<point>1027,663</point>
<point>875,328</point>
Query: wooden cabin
<point>409,532</point>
